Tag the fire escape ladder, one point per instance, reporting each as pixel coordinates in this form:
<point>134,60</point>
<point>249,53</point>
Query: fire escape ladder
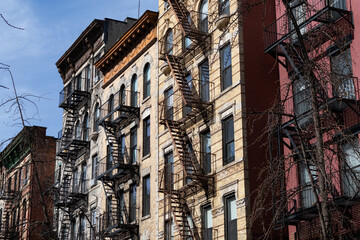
<point>65,227</point>
<point>68,128</point>
<point>178,209</point>
<point>293,58</point>
<point>189,95</point>
<point>111,196</point>
<point>65,186</point>
<point>177,137</point>
<point>188,28</point>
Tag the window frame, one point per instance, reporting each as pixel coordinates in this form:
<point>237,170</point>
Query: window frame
<point>203,16</point>
<point>146,196</point>
<point>226,141</point>
<point>227,201</point>
<point>94,166</point>
<point>225,83</point>
<point>146,136</point>
<point>147,81</point>
<point>205,233</point>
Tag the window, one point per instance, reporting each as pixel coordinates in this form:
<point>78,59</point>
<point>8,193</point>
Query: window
<point>205,142</point>
<point>187,40</point>
<point>134,97</point>
<point>230,218</point>
<point>86,127</point>
<point>82,227</point>
<point>109,156</point>
<point>98,73</point>
<point>187,109</point>
<point>20,177</point>
<point>301,93</point>
<point>96,117</point>
<point>93,223</point>
<point>77,131</point>
<point>169,42</point>
<point>189,169</point>
<point>166,5</point>
<point>351,168</point>
<point>68,90</point>
<point>299,12</point>
<point>146,196</point>
<point>109,213</point>
<point>122,149</point>
<point>169,171</point>
<point>95,163</point>
<point>341,4</point>
<point>122,95</point>
<point>111,107</point>
<point>73,230</point>
<point>24,218</point>
<point>78,82</point>
<point>307,194</point>
<point>341,68</point>
<point>133,145</point>
<point>83,177</point>
<point>132,204</point>
<point>87,78</point>
<point>76,181</point>
<point>204,81</point>
<point>228,140</point>
<point>190,227</point>
<point>224,7</point>
<point>146,136</point>
<point>15,181</point>
<point>204,16</point>
<point>146,80</point>
<point>207,222</point>
<point>169,230</point>
<point>122,208</point>
<point>169,104</point>
<point>225,67</point>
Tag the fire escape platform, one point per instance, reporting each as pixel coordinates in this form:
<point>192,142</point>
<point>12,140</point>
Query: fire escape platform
<point>275,34</point>
<point>73,148</point>
<point>73,99</point>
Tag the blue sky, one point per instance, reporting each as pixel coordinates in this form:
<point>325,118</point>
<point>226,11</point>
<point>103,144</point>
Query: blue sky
<point>50,29</point>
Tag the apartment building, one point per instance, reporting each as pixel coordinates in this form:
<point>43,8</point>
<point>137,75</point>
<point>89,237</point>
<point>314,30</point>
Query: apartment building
<point>77,194</point>
<point>129,121</point>
<point>26,162</point>
<point>316,43</point>
<point>213,75</point>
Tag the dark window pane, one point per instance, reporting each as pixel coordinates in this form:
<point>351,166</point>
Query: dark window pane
<point>228,140</point>
<point>226,73</point>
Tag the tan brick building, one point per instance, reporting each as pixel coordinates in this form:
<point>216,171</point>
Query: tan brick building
<point>26,163</point>
<point>128,116</point>
<point>212,70</point>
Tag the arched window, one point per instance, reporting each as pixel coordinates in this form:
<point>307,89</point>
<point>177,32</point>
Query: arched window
<point>146,80</point>
<point>77,130</point>
<point>86,127</point>
<point>122,95</point>
<point>204,16</point>
<point>96,116</point>
<point>111,107</point>
<point>169,42</point>
<point>134,98</point>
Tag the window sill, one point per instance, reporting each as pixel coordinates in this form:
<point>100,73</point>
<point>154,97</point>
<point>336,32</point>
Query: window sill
<point>146,157</point>
<point>228,89</point>
<point>146,99</point>
<point>146,217</point>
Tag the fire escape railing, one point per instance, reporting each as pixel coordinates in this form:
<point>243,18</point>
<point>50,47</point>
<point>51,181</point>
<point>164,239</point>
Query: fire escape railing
<point>318,17</point>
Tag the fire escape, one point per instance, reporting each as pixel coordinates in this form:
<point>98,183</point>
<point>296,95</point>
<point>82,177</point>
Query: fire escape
<point>323,25</point>
<point>9,229</point>
<point>119,165</point>
<point>67,193</point>
<point>179,110</point>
